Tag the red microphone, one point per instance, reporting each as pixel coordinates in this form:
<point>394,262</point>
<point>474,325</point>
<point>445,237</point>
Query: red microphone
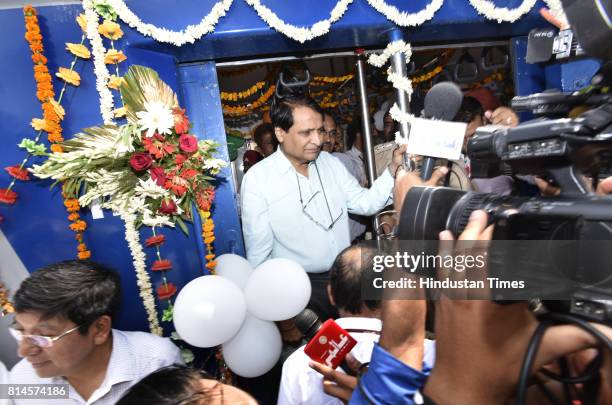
<point>327,343</point>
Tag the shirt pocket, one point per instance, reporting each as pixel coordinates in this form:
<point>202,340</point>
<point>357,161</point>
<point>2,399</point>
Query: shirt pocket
<point>286,218</point>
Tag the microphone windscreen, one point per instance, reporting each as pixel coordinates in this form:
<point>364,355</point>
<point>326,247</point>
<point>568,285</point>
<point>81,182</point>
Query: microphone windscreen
<point>443,101</point>
<point>307,323</point>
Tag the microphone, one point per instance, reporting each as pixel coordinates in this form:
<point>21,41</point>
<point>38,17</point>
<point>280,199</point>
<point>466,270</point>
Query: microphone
<point>327,343</point>
<point>442,102</point>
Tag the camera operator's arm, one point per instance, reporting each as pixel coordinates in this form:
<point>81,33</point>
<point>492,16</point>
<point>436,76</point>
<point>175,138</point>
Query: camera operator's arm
<point>605,186</point>
<point>481,345</point>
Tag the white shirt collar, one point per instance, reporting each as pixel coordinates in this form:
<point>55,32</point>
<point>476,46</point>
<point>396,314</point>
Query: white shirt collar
<point>357,322</point>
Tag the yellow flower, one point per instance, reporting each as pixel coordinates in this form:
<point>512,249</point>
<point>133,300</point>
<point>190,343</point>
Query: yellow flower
<point>38,124</point>
<point>114,56</point>
<point>78,50</point>
<point>69,76</point>
<point>82,21</point>
<point>110,30</point>
<point>59,110</point>
<point>114,82</point>
<point>119,112</point>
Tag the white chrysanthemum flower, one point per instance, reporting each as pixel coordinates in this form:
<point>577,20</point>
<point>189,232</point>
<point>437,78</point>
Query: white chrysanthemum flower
<point>214,165</point>
<point>156,117</point>
<point>151,189</point>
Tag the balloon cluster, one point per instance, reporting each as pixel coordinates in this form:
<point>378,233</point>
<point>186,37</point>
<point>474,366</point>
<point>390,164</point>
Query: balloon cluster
<point>236,309</point>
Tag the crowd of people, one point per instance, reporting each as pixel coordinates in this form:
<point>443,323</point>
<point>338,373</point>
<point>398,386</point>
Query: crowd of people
<point>302,200</point>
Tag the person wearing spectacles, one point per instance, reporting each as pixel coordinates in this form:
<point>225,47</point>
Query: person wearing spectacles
<point>331,134</point>
<point>63,317</point>
<point>295,203</point>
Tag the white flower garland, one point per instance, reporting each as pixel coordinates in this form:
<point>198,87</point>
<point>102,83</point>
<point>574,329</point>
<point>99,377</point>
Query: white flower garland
<point>142,277</point>
<point>501,14</point>
<point>300,34</point>
<point>189,35</point>
<point>403,18</point>
<point>100,69</point>
<point>399,82</point>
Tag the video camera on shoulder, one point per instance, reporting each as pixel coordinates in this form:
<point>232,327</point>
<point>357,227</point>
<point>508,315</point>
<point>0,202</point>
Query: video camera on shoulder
<point>566,237</point>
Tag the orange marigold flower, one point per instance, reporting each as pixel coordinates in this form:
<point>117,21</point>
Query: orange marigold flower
<point>211,265</point>
<point>82,247</point>
<point>78,226</point>
<point>57,107</point>
<point>166,291</point>
<point>18,172</point>
<point>82,21</point>
<point>209,257</point>
<point>55,137</point>
<point>41,69</point>
<point>79,50</point>
<point>8,196</point>
<point>39,58</point>
<point>73,217</point>
<point>38,124</point>
<point>110,30</point>
<point>114,82</point>
<point>84,255</point>
<point>29,10</point>
<point>69,76</point>
<point>163,264</point>
<point>56,148</point>
<point>209,240</point>
<point>114,56</point>
<point>155,240</point>
<point>72,204</point>
<point>36,47</point>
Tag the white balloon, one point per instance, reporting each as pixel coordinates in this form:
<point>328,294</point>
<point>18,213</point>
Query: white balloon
<point>255,349</point>
<point>278,289</point>
<point>209,311</point>
<point>235,268</point>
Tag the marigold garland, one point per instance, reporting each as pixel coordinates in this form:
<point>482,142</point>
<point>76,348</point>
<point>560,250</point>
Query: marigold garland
<point>245,109</point>
<point>208,235</point>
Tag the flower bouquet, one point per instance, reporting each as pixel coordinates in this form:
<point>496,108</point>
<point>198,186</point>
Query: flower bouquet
<point>151,171</point>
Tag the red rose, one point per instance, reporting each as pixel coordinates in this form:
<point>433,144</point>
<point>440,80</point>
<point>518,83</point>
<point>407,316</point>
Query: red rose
<point>188,143</point>
<point>167,207</point>
<point>166,291</point>
<point>158,175</point>
<point>141,161</point>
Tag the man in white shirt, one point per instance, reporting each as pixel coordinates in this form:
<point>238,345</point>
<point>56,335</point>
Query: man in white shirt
<point>63,326</point>
<point>295,203</point>
<point>302,385</point>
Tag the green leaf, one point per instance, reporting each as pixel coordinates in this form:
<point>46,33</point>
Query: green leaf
<point>182,225</point>
<point>175,336</point>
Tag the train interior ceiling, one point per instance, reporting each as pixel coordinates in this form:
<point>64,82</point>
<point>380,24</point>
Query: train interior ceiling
<point>247,87</point>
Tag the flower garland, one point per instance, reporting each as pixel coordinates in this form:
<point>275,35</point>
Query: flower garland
<point>100,70</point>
<point>501,14</point>
<point>427,76</point>
<point>403,18</point>
<point>208,236</point>
<point>142,277</point>
<point>300,34</point>
<point>178,38</point>
<point>331,79</point>
<point>239,95</point>
<point>166,290</point>
<point>399,82</point>
<point>246,109</point>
